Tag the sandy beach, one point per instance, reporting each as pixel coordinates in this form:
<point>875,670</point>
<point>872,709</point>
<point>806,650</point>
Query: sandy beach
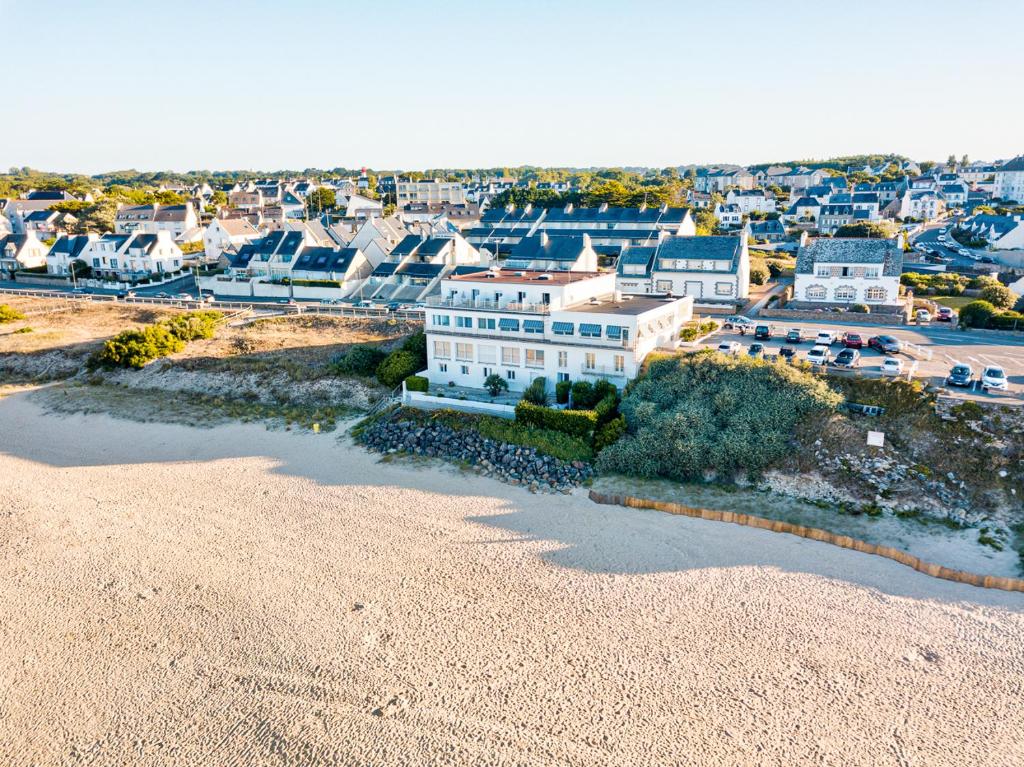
<point>238,596</point>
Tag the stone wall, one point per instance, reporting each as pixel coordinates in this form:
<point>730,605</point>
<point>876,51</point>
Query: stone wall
<point>874,318</point>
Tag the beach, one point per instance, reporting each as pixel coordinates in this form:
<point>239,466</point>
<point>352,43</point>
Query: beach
<point>238,596</point>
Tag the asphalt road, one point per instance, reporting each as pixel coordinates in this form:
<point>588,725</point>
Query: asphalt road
<point>930,239</point>
<point>943,343</point>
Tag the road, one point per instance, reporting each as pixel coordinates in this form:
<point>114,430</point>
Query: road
<point>930,239</point>
<point>935,348</point>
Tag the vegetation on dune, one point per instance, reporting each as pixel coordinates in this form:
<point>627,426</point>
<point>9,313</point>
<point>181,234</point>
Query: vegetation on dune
<point>135,348</point>
<point>9,314</point>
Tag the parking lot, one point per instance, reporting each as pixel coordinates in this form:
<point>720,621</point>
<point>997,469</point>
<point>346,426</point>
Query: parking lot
<point>928,352</point>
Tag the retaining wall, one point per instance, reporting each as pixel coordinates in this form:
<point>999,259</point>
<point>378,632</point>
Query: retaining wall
<point>844,541</point>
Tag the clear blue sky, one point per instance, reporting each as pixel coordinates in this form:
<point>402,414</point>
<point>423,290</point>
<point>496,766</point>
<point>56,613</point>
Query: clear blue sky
<point>94,86</point>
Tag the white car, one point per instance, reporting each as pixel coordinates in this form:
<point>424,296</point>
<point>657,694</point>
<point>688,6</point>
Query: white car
<point>964,252</point>
<point>892,366</point>
<point>993,378</point>
<point>819,355</point>
<point>729,347</point>
<point>826,338</point>
<point>923,315</point>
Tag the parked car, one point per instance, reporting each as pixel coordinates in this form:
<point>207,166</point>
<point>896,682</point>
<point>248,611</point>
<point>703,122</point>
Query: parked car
<point>161,294</point>
<point>993,377</point>
<point>986,259</point>
<point>729,347</point>
<point>964,252</point>
<point>794,336</point>
<point>736,321</point>
<point>847,358</point>
<point>825,338</point>
<point>960,375</point>
<point>756,351</point>
<point>763,332</point>
<point>891,366</point>
<point>923,315</point>
<point>853,341</point>
<point>945,314</point>
<point>185,296</point>
<point>819,355</point>
<point>787,353</point>
<point>884,344</point>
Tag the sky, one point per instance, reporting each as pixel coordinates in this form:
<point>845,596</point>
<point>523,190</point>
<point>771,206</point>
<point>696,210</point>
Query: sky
<point>189,85</point>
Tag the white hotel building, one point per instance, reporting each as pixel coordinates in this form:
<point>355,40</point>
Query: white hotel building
<point>560,325</point>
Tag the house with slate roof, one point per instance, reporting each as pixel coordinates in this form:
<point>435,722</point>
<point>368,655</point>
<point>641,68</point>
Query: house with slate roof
<point>721,179</point>
<point>1010,180</point>
<point>729,215</point>
<point>149,219</point>
<point>712,270</point>
<point>771,230</point>
<point>67,249</point>
<point>541,252</point>
<point>20,251</point>
<point>347,266</point>
<point>844,271</point>
<point>225,233</point>
<point>1002,232</point>
<point>751,200</point>
<point>832,217</point>
<point>415,266</point>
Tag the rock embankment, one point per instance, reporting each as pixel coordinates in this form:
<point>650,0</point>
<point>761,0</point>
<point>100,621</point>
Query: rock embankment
<point>514,464</point>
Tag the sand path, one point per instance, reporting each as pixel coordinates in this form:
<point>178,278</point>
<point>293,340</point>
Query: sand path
<point>176,596</point>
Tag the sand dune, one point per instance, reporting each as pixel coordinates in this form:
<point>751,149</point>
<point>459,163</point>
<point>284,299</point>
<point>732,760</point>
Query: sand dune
<point>177,596</point>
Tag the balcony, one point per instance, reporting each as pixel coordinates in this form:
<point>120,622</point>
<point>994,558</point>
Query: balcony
<point>602,371</point>
<point>484,304</point>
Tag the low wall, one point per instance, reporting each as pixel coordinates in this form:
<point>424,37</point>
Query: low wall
<point>843,541</point>
<point>872,318</point>
<point>426,401</point>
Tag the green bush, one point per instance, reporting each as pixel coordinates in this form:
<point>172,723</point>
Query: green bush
<point>696,412</point>
<point>192,326</point>
<point>576,423</point>
<point>396,367</point>
<point>562,389</point>
<point>694,330</point>
<point>976,314</point>
<point>134,348</point>
<point>586,395</point>
<point>759,274</point>
<point>360,361</point>
<point>495,384</point>
<point>607,408</point>
<point>536,393</point>
<point>945,284</point>
<point>417,344</point>
<point>860,308</point>
<point>417,383</point>
<point>1000,296</point>
<point>10,314</point>
<point>1007,321</point>
<point>609,433</point>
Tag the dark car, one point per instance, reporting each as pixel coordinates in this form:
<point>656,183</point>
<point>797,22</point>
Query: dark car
<point>756,351</point>
<point>763,332</point>
<point>987,260</point>
<point>960,375</point>
<point>787,353</point>
<point>794,336</point>
<point>853,341</point>
<point>884,344</point>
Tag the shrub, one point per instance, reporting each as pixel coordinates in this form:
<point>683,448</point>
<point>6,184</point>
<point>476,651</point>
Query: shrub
<point>134,348</point>
<point>609,433</point>
<point>417,383</point>
<point>1000,296</point>
<point>607,408</point>
<point>759,273</point>
<point>1019,306</point>
<point>360,361</point>
<point>576,423</point>
<point>860,308</point>
<point>692,331</point>
<point>691,413</point>
<point>495,384</point>
<point>417,344</point>
<point>192,326</point>
<point>536,393</point>
<point>976,314</point>
<point>1007,321</point>
<point>562,389</point>
<point>10,314</point>
<point>396,367</point>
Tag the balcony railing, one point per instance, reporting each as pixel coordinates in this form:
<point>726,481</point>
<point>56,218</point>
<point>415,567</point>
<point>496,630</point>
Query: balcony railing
<point>609,371</point>
<point>456,302</point>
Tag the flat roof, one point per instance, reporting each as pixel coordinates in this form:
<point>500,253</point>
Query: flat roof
<point>628,306</point>
<point>526,276</point>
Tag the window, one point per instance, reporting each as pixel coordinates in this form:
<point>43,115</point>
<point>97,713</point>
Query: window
<point>875,294</point>
<point>614,332</point>
<point>845,293</point>
<point>620,363</point>
<point>723,288</point>
<point>487,354</point>
<point>443,367</point>
<point>563,359</point>
<point>823,271</point>
<point>96,263</point>
<point>871,274</point>
<point>113,263</point>
<point>465,370</point>
<point>663,286</point>
<point>487,372</point>
<point>509,355</point>
<point>510,375</point>
<point>563,376</point>
<point>464,352</point>
<point>815,293</point>
<point>463,322</point>
<point>508,324</point>
<point>562,328</point>
<point>588,330</point>
<point>534,358</point>
<point>533,326</point>
<point>590,361</point>
<point>485,323</point>
<point>442,349</point>
<point>441,320</point>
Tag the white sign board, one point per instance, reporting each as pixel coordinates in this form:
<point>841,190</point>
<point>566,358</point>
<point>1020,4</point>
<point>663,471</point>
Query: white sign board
<point>876,438</point>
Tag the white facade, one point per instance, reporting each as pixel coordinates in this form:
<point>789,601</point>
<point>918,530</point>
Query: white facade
<point>560,326</point>
<point>433,190</point>
<point>729,215</point>
<point>222,234</point>
<point>751,201</point>
<point>1009,183</point>
<point>848,271</point>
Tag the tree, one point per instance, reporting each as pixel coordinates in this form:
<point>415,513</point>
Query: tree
<point>1000,296</point>
<point>396,367</point>
<point>321,199</point>
<point>97,217</point>
<point>976,314</point>
<point>495,384</point>
<point>879,230</point>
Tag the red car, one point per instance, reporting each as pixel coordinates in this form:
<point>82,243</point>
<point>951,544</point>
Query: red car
<point>945,314</point>
<point>853,341</point>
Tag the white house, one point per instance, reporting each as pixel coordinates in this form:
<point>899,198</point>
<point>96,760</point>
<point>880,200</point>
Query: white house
<point>751,200</point>
<point>843,271</point>
<point>150,219</point>
<point>358,206</point>
<point>560,326</point>
<point>1010,180</point>
<point>348,267</point>
<point>428,190</point>
<point>225,233</point>
<point>720,179</point>
<point>1002,232</point>
<point>541,252</point>
<point>66,250</point>
<point>710,270</point>
<point>20,251</point>
<point>729,215</point>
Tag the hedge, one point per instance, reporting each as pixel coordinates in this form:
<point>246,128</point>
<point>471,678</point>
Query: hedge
<point>1007,321</point>
<point>417,383</point>
<point>576,423</point>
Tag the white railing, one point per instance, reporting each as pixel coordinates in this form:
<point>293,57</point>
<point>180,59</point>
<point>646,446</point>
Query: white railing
<point>455,302</point>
